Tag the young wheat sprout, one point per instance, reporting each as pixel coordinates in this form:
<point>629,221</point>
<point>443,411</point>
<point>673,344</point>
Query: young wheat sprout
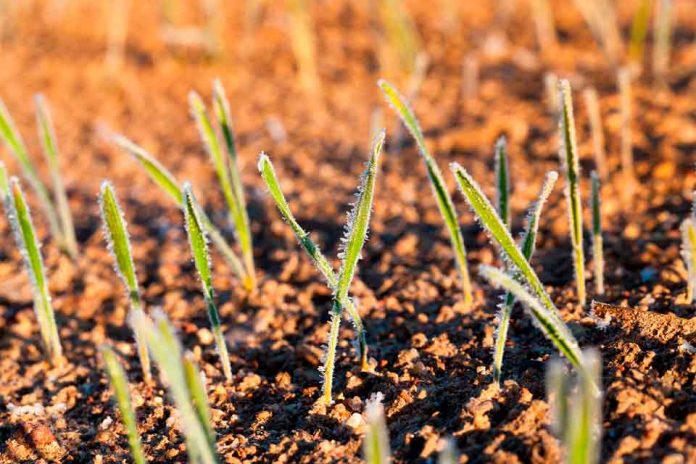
<point>688,230</point>
<point>624,82</point>
<point>444,200</point>
<point>270,178</point>
<point>663,33</point>
<point>568,153</point>
<point>119,385</point>
<point>49,144</point>
<point>595,117</point>
<point>502,181</point>
<point>199,249</point>
<point>166,181</point>
<point>576,406</point>
<point>184,383</point>
<point>356,234</point>
<point>597,242</point>
<point>544,26</point>
<point>303,41</point>
<point>376,441</point>
<point>528,247</point>
<point>14,143</point>
<point>639,31</point>
<point>19,217</point>
<point>116,235</point>
<point>225,167</point>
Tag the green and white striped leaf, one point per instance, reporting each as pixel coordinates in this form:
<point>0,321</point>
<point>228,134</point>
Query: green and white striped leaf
<point>528,246</point>
<point>444,200</point>
<point>270,178</point>
<point>116,235</point>
<point>356,234</point>
<point>119,386</point>
<point>201,259</point>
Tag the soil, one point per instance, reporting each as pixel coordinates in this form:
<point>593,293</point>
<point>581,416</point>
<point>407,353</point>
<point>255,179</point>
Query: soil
<point>431,354</point>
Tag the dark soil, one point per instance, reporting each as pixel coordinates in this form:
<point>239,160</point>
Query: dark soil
<point>432,355</point>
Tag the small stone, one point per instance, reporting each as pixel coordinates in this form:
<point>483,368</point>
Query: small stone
<point>355,421</point>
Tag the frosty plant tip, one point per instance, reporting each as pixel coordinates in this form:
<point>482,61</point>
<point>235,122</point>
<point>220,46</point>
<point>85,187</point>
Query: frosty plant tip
<point>528,247</point>
<point>199,249</point>
<point>119,386</point>
<point>166,181</point>
<point>313,251</point>
<point>376,441</point>
<point>444,200</point>
<point>56,209</point>
<point>184,382</point>
<point>568,153</point>
<point>19,217</point>
<point>116,235</point>
<point>576,407</point>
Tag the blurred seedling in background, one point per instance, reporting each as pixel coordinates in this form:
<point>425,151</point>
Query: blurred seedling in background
<point>688,231</point>
<point>116,14</point>
<point>528,247</point>
<point>551,93</point>
<point>116,234</point>
<point>19,217</point>
<point>538,303</point>
<point>209,37</point>
<point>594,115</point>
<point>199,249</point>
<point>304,45</point>
<point>597,241</point>
<point>444,200</point>
<point>119,386</point>
<point>544,26</point>
<point>56,210</point>
<point>325,268</point>
<point>576,407</point>
<point>639,32</point>
<point>662,42</point>
<point>184,382</point>
<point>600,16</point>
<point>624,84</point>
<point>568,153</point>
<point>166,181</point>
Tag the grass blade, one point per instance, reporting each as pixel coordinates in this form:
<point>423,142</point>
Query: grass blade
<point>50,148</point>
<point>13,140</point>
<point>119,385</point>
<point>528,246</point>
<point>688,230</point>
<point>502,181</point>
<point>376,441</point>
<point>116,235</point>
<point>568,153</point>
<point>221,108</point>
<point>270,178</point>
<point>624,83</point>
<point>4,181</point>
<point>356,234</point>
<point>167,353</point>
<point>639,30</point>
<point>199,397</point>
<point>444,200</point>
<point>199,249</point>
<point>595,117</point>
<point>19,216</point>
<point>552,327</point>
<point>663,40</point>
<point>495,227</point>
<point>166,181</point>
<point>597,241</point>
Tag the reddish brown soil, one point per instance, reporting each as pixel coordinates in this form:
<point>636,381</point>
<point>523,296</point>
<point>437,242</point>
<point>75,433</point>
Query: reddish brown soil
<point>432,354</point>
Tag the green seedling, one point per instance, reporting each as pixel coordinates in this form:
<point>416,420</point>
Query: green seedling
<point>528,247</point>
<point>502,181</point>
<point>225,166</point>
<point>444,200</point>
<point>119,386</point>
<point>594,115</point>
<point>402,39</point>
<point>568,153</point>
<point>313,251</point>
<point>199,249</point>
<point>550,324</point>
<point>376,441</point>
<point>184,382</point>
<point>118,242</point>
<point>19,216</point>
<point>576,405</point>
<point>639,31</point>
<point>356,234</point>
<point>49,143</point>
<point>59,222</point>
<point>492,223</point>
<point>597,241</point>
<point>688,230</point>
<point>624,83</point>
<point>663,41</point>
<point>166,181</point>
